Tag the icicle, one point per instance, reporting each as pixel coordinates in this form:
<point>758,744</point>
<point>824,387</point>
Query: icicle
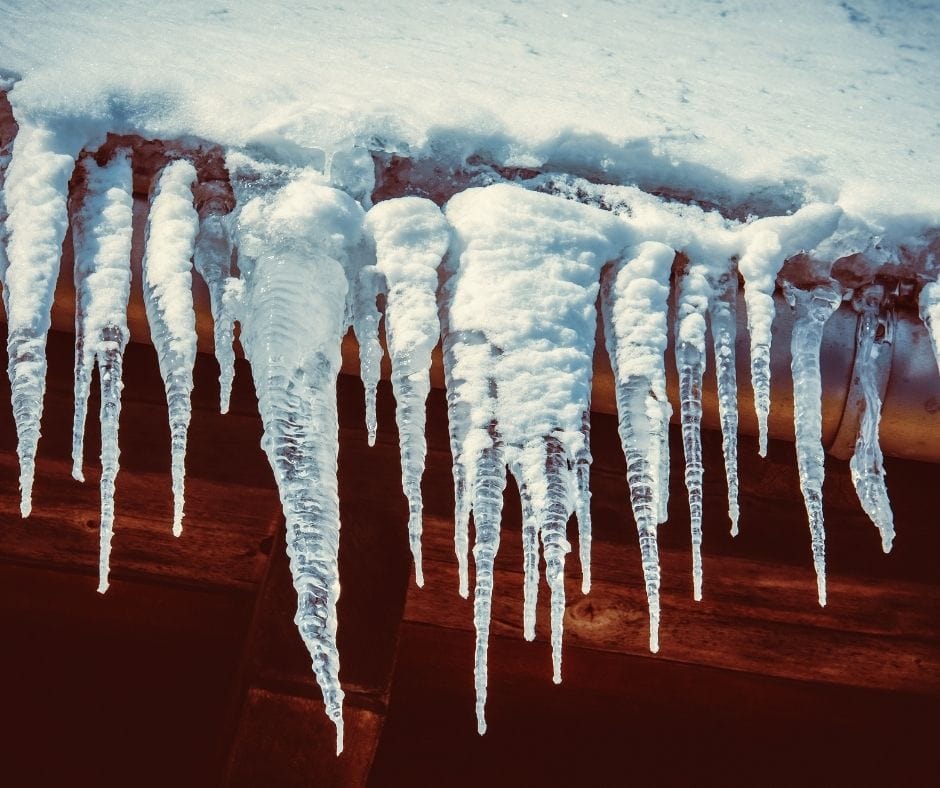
<point>693,292</point>
<point>489,481</point>
<point>167,280</point>
<point>294,243</point>
<point>545,467</point>
<point>212,258</point>
<point>812,309</point>
<point>36,201</point>
<point>766,244</point>
<point>530,556</point>
<point>929,302</point>
<point>634,294</point>
<point>582,507</point>
<point>518,309</point>
<point>101,235</point>
<point>367,286</point>
<point>411,238</point>
<point>458,421</point>
<point>722,313</point>
<point>659,451</point>
<point>866,465</point>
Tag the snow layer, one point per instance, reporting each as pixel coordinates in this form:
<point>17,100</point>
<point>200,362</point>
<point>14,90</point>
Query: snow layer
<point>763,105</point>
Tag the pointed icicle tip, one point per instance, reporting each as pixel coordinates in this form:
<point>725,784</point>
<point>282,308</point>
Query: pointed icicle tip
<point>338,722</point>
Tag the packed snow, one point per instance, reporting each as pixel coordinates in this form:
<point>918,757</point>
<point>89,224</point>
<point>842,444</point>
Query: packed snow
<point>576,175</point>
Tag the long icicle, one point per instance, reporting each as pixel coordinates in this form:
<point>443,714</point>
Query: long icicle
<point>875,330</point>
<point>489,481</point>
<point>692,297</point>
<point>411,238</point>
<point>634,294</point>
<point>295,243</point>
<point>36,201</point>
<point>167,280</point>
<point>102,229</point>
<point>722,313</point>
<point>812,309</point>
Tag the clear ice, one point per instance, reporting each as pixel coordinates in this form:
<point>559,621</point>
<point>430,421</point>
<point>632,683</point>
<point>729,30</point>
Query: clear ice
<point>102,227</point>
<point>693,293</point>
<point>411,238</point>
<point>722,313</point>
<point>296,239</point>
<point>634,295</point>
<point>812,310</point>
<point>874,333</point>
<point>167,283</point>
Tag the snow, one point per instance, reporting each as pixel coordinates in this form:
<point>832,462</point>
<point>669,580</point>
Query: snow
<point>573,85</point>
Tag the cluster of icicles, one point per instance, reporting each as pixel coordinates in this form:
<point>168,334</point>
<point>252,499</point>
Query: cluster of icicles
<point>507,275</point>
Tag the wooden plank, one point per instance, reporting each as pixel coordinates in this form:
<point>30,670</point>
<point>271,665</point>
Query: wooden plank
<point>754,637</point>
<point>288,741</point>
<point>880,629</point>
<point>225,540</point>
<point>619,719</point>
<point>123,689</point>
